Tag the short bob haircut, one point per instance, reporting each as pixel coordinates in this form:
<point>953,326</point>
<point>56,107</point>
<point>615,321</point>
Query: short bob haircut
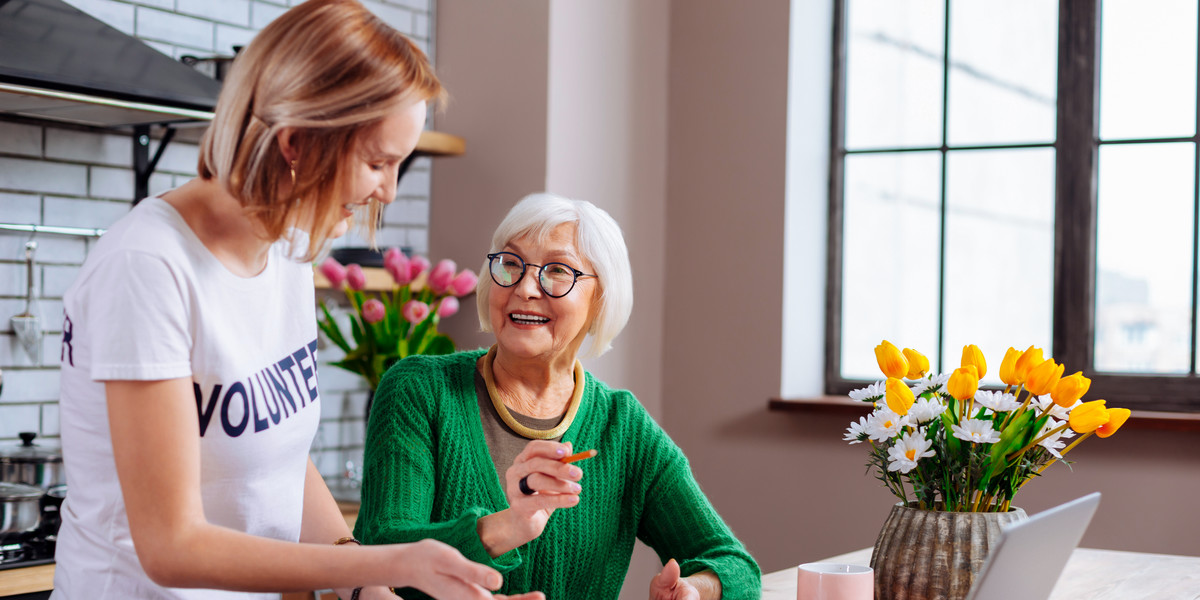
<point>330,71</point>
<point>598,239</point>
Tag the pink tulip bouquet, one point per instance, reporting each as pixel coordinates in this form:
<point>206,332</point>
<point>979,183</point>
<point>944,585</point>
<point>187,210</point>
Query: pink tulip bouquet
<point>395,324</point>
<point>939,442</point>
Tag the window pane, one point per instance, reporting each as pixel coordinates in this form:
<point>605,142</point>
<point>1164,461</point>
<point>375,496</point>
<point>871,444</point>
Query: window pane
<point>890,257</point>
<point>1147,69</point>
<point>894,73</point>
<point>1144,258</point>
<point>1003,72</point>
<point>999,253</point>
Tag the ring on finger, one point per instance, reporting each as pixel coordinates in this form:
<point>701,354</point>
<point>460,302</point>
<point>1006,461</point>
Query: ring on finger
<point>524,485</point>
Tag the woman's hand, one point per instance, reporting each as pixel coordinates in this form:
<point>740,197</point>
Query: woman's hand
<point>555,485</point>
<point>668,585</point>
<point>441,571</point>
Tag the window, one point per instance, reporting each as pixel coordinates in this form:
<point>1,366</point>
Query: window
<point>1018,174</point>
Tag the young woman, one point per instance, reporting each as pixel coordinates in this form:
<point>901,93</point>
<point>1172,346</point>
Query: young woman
<point>189,393</point>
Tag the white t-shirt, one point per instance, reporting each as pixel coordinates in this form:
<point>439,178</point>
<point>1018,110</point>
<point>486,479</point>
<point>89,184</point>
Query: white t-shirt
<point>152,303</point>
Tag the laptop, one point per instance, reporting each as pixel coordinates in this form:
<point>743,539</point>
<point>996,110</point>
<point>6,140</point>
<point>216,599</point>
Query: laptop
<point>1030,555</point>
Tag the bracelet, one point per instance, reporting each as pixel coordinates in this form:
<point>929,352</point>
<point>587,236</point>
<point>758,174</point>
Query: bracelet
<point>355,593</point>
<point>347,540</point>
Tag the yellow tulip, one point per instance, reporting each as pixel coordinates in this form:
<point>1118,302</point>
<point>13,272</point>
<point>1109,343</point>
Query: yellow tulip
<point>1088,416</point>
<point>1116,418</point>
<point>973,356</point>
<point>963,383</point>
<point>1029,359</point>
<point>1042,378</point>
<point>1008,368</point>
<point>899,396</point>
<point>891,361</point>
<point>1070,389</point>
<point>918,365</point>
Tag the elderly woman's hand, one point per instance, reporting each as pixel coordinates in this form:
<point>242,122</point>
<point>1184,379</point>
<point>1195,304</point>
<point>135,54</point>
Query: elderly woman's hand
<point>550,484</point>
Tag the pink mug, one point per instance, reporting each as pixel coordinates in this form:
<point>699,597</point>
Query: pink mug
<point>834,581</point>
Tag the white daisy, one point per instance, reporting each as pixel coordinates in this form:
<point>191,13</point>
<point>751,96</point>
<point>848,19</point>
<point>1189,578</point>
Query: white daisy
<point>997,401</point>
<point>926,410</point>
<point>933,382</point>
<point>883,424</point>
<point>870,393</point>
<point>1056,411</point>
<point>976,430</point>
<point>857,431</point>
<point>1055,442</point>
<point>908,450</point>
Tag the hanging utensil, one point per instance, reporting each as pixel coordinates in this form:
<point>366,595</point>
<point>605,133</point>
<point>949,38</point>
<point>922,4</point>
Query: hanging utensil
<point>27,325</point>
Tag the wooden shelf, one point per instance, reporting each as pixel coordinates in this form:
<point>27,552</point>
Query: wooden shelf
<point>436,143</point>
<point>378,280</point>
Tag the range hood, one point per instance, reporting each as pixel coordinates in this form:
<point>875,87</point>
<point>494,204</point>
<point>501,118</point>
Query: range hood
<point>61,64</point>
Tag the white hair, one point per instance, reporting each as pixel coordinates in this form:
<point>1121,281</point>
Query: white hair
<point>598,239</point>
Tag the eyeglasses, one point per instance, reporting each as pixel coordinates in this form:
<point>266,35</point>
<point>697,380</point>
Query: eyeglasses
<point>556,279</point>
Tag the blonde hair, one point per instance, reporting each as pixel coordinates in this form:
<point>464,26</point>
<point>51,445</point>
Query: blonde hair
<point>330,71</point>
<point>598,239</point>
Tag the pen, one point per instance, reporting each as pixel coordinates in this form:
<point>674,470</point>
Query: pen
<point>579,456</point>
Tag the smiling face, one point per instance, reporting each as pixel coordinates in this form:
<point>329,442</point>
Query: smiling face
<point>375,164</point>
<point>530,324</point>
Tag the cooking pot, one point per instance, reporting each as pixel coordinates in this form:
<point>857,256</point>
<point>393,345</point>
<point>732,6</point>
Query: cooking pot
<point>20,507</point>
<point>32,464</point>
<point>51,509</point>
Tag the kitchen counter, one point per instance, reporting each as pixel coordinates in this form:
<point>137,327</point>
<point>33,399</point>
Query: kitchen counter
<point>27,580</point>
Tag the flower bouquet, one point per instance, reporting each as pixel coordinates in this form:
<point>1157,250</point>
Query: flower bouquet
<point>395,324</point>
<point>943,444</point>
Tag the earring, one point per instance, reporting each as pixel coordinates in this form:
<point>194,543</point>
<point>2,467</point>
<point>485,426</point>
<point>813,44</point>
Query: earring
<point>292,168</point>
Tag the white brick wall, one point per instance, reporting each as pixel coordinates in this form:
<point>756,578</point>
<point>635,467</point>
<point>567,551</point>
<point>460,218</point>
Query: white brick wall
<point>82,177</point>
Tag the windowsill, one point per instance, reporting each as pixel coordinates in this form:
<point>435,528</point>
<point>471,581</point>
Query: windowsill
<point>1139,419</point>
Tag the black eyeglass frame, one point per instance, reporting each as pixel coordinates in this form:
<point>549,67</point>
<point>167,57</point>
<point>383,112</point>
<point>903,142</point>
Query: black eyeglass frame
<point>541,269</point>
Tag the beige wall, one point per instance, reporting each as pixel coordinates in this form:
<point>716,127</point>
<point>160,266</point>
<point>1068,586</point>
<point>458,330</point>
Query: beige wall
<point>791,489</point>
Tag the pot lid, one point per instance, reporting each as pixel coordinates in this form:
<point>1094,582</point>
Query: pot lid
<point>27,451</point>
<point>18,491</point>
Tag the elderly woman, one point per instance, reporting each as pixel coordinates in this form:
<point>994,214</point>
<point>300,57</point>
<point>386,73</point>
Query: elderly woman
<point>470,448</point>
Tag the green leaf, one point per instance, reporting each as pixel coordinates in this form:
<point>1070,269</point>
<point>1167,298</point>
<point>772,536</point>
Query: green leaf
<point>331,329</point>
<point>440,344</point>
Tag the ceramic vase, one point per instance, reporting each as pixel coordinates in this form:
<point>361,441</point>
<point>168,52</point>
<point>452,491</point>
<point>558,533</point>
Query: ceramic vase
<point>932,555</point>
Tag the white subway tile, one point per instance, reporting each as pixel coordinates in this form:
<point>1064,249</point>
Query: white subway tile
<point>418,239</point>
<point>30,385</point>
<point>400,18</point>
<point>160,183</point>
<point>228,37</point>
<point>163,4</point>
<point>111,183</point>
<point>262,13</point>
<point>388,236</point>
<point>337,380</point>
<point>40,176</point>
<point>51,249</point>
<point>117,15</point>
<point>50,422</point>
<point>414,184</point>
<point>52,345</point>
<point>74,212</point>
<point>416,5</point>
<point>84,146</point>
<point>421,25</point>
<point>179,157</point>
<point>56,279</point>
<point>421,163</point>
<point>236,12</point>
<point>19,138</point>
<point>407,212</point>
<point>173,28</point>
<point>13,278</point>
<point>325,461</point>
<point>17,418</point>
<point>23,209</point>
<point>166,49</point>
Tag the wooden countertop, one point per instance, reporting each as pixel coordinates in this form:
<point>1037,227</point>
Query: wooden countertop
<point>27,580</point>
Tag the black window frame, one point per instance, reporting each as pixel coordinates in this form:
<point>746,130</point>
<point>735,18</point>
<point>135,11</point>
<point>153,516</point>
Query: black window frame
<point>1076,178</point>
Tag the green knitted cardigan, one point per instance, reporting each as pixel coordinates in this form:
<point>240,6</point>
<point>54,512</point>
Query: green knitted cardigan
<point>428,474</point>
